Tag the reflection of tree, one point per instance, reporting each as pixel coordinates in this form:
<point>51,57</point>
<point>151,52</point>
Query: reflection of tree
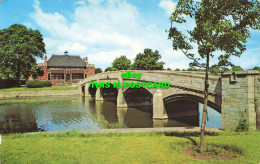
<point>67,115</point>
<point>17,118</point>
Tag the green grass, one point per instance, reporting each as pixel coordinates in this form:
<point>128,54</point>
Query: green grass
<point>73,147</point>
<point>43,88</point>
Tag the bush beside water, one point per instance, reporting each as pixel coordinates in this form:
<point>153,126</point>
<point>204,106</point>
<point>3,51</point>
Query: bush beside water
<point>9,83</point>
<point>38,84</point>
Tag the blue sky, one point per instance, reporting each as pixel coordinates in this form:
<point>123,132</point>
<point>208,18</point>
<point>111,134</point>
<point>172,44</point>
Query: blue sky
<point>105,29</point>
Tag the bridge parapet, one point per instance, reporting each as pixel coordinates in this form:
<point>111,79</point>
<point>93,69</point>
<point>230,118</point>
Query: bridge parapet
<point>187,80</point>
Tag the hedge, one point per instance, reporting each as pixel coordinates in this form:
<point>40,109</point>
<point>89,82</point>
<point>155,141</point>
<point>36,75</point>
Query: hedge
<point>38,84</point>
<point>7,83</point>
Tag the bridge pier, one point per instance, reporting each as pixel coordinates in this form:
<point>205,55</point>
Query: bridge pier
<point>240,94</point>
<point>87,91</point>
<point>121,103</point>
<point>159,111</point>
<point>99,96</point>
<point>80,89</point>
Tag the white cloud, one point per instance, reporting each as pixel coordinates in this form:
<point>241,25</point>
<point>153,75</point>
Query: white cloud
<point>104,32</point>
<point>74,47</point>
<point>168,6</point>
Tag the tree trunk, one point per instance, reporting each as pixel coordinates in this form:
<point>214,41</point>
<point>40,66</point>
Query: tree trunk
<point>18,71</point>
<point>204,115</point>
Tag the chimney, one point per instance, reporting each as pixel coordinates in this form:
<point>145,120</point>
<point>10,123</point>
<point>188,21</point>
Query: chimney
<point>45,58</point>
<point>66,53</point>
<point>86,60</point>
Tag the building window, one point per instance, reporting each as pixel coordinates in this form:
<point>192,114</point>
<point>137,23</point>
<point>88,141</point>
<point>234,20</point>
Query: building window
<point>78,76</point>
<point>57,76</point>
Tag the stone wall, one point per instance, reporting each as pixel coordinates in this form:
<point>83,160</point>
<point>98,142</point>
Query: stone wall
<point>239,91</point>
<point>257,101</point>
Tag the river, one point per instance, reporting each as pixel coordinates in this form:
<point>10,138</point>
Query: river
<point>78,113</point>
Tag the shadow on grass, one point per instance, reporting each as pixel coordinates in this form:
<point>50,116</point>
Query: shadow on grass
<point>187,134</point>
<point>211,151</point>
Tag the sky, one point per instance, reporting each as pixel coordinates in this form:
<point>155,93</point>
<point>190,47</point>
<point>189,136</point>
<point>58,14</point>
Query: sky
<point>105,29</point>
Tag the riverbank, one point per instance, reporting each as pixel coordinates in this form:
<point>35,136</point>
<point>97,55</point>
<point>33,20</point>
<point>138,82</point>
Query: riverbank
<point>146,147</point>
<point>38,92</point>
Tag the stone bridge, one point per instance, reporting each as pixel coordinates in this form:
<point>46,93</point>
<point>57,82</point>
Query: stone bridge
<point>235,95</point>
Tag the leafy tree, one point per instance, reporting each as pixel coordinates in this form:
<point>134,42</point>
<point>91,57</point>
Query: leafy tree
<point>98,70</point>
<point>214,69</point>
<point>122,63</point>
<point>169,69</point>
<point>19,48</point>
<point>110,69</point>
<point>148,60</point>
<point>201,70</point>
<point>237,68</point>
<point>191,69</point>
<point>256,68</point>
<point>220,25</point>
<point>177,69</point>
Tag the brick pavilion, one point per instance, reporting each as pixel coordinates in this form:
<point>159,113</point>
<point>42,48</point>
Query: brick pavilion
<point>65,68</point>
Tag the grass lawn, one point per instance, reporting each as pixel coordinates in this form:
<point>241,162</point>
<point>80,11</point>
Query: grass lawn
<point>43,88</point>
<point>73,147</point>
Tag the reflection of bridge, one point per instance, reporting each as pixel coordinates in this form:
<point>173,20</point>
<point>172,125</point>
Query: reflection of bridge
<point>235,95</point>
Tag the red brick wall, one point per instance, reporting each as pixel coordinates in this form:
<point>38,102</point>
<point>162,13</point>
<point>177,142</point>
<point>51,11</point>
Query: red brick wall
<point>44,77</point>
<point>90,72</point>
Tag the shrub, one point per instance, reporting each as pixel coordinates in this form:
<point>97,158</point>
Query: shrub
<point>242,126</point>
<point>8,83</point>
<point>22,82</point>
<point>38,84</point>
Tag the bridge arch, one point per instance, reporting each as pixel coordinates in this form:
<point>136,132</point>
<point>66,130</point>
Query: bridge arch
<point>138,97</point>
<point>91,91</point>
<point>109,93</point>
<point>189,97</point>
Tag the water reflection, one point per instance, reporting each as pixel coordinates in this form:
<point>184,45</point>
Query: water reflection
<point>55,114</point>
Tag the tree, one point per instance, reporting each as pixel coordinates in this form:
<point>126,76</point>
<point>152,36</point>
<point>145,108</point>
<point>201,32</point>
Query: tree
<point>237,68</point>
<point>148,60</point>
<point>177,69</point>
<point>98,70</point>
<point>256,68</point>
<point>110,69</point>
<point>122,63</point>
<point>19,48</point>
<point>191,69</point>
<point>169,69</point>
<point>221,26</point>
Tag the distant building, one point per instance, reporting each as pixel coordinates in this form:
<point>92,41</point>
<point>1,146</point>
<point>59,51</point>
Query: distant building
<point>65,68</point>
